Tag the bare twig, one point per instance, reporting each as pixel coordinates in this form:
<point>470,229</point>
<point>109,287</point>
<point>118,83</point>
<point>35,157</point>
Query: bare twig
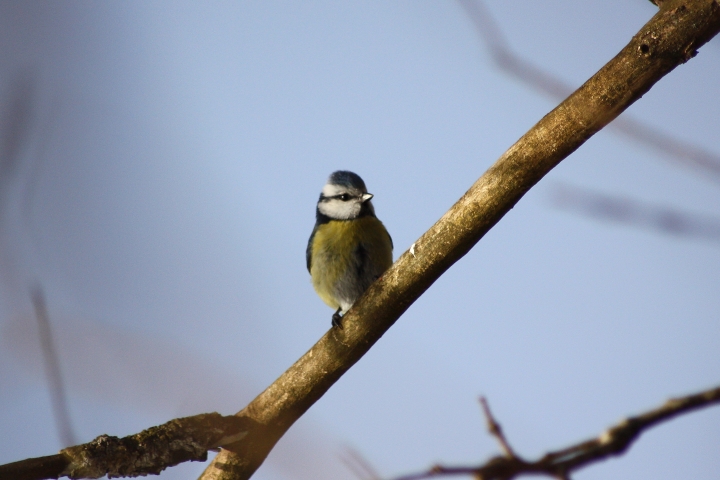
<point>495,430</point>
<point>632,212</point>
<point>56,385</point>
<point>359,465</point>
<point>559,464</point>
<point>507,60</point>
<point>684,153</point>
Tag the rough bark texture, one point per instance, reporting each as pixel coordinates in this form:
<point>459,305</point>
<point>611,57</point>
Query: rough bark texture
<point>669,39</point>
<point>148,452</point>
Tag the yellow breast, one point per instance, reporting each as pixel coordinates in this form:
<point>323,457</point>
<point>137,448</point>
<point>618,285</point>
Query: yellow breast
<point>335,264</point>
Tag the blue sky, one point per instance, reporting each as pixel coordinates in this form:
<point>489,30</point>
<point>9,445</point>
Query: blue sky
<point>166,186</point>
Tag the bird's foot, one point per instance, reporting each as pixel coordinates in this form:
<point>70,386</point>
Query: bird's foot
<point>336,319</point>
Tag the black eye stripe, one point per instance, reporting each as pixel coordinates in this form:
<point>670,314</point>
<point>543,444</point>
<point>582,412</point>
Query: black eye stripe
<point>343,196</point>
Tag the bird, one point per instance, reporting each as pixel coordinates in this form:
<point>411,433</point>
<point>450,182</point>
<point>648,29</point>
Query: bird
<point>349,248</point>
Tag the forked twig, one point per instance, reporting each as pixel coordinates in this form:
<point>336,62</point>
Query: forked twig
<point>559,464</point>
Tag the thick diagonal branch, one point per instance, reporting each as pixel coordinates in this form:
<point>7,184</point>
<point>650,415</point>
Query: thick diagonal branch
<point>669,39</point>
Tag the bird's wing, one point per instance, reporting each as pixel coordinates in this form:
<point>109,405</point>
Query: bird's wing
<point>308,250</point>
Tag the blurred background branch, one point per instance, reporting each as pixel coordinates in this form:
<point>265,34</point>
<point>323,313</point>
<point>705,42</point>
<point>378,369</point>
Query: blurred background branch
<point>15,123</point>
<point>359,465</point>
<point>627,211</point>
<point>561,463</point>
<point>683,153</point>
<point>56,385</point>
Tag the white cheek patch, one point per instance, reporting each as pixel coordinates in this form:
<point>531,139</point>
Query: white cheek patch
<point>336,208</point>
<point>340,210</point>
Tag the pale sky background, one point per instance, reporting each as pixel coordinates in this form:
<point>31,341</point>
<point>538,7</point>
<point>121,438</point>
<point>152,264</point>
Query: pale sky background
<point>165,188</point>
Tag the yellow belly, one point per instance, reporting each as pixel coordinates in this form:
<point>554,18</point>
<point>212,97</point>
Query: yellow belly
<point>339,274</point>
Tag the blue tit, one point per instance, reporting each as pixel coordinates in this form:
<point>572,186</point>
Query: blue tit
<point>349,247</point>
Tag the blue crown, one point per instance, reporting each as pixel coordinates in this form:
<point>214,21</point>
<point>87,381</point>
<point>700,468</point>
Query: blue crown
<point>347,179</point>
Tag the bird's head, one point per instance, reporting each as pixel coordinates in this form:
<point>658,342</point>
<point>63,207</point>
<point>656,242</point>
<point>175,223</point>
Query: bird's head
<point>345,197</point>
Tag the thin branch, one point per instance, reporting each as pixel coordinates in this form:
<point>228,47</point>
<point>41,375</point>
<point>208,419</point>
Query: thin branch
<point>495,430</point>
<point>559,464</point>
<point>507,60</point>
<point>632,212</point>
<point>617,439</point>
<point>359,465</point>
<point>56,385</point>
<point>687,154</point>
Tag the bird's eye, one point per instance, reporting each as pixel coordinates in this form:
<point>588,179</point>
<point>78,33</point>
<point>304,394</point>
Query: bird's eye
<point>344,197</point>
